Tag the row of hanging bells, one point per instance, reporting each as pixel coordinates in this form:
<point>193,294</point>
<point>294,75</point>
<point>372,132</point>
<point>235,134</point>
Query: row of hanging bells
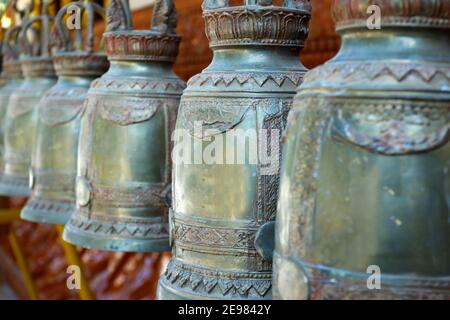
<point>364,176</point>
<point>94,153</point>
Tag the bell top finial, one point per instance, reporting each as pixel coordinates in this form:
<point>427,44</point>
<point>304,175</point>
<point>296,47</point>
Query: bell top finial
<point>257,22</point>
<point>159,43</point>
<point>118,15</point>
<point>164,17</point>
<point>392,13</point>
<point>76,55</point>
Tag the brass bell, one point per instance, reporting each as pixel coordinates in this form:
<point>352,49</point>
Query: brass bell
<point>12,77</point>
<point>365,185</point>
<point>124,162</point>
<point>225,190</point>
<point>21,115</point>
<point>54,158</point>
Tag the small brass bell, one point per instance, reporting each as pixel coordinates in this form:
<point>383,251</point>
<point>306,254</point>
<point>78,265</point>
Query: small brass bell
<point>12,77</point>
<point>229,127</point>
<point>21,116</point>
<point>124,161</point>
<point>54,158</point>
<point>365,185</point>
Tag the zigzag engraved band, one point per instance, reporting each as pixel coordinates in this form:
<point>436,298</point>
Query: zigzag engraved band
<point>202,281</point>
<point>104,226</point>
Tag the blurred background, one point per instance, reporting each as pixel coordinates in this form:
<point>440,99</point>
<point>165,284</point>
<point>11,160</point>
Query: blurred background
<point>32,257</point>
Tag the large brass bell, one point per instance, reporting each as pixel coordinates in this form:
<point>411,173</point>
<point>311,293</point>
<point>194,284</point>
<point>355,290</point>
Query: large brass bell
<point>124,162</point>
<point>54,159</point>
<point>12,77</point>
<point>365,185</point>
<point>21,116</point>
<point>226,156</point>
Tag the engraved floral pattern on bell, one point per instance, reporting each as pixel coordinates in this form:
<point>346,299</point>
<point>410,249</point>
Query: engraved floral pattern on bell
<point>240,103</point>
<point>124,162</point>
<point>364,184</point>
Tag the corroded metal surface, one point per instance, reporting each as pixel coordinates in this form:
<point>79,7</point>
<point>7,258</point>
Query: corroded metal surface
<point>21,115</point>
<point>54,158</point>
<point>364,184</point>
<point>221,210</point>
<point>124,168</point>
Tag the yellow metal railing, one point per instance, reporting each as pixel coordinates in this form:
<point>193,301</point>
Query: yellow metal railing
<point>73,257</point>
<point>9,216</point>
<point>23,265</point>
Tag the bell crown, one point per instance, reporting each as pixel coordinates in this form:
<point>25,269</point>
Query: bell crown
<point>392,13</point>
<point>257,22</point>
<point>158,43</point>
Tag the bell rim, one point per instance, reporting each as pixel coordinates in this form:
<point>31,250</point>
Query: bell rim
<point>166,292</point>
<point>31,214</point>
<point>258,283</point>
<point>14,190</point>
<point>77,237</point>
